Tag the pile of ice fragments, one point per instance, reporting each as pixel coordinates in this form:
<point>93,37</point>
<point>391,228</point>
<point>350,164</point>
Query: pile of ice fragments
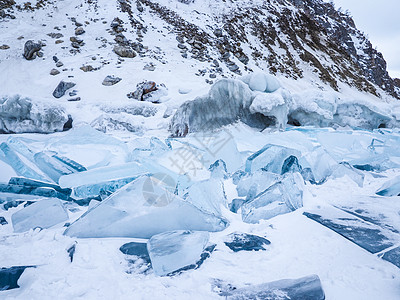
<point>173,192</point>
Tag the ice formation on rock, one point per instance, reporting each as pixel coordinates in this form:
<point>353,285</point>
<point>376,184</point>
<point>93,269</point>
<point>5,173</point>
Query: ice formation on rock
<point>259,101</point>
<point>18,115</point>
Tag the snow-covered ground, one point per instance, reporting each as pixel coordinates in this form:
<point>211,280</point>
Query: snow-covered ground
<point>299,245</point>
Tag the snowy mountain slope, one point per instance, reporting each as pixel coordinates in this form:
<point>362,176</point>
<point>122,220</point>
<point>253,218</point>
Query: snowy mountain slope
<point>327,75</point>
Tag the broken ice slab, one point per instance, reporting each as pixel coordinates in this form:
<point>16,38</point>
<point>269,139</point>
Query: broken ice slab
<point>42,214</point>
<point>306,288</point>
<point>136,249</point>
<point>393,256</point>
<point>70,163</point>
<point>9,277</point>
<point>390,188</point>
<point>51,166</point>
<point>36,183</point>
<point>19,146</point>
<point>158,147</point>
<point>345,169</point>
<point>173,250</point>
<point>32,190</point>
<point>218,170</point>
<point>281,198</point>
<point>218,145</point>
<point>101,175</point>
<point>291,165</point>
<point>141,209</point>
<point>88,182</point>
<point>6,172</point>
<point>89,147</point>
<point>10,157</point>
<point>253,184</point>
<point>347,145</point>
<point>381,211</point>
<point>270,158</point>
<point>155,147</point>
<point>246,242</point>
<point>86,135</point>
<point>208,195</point>
<point>92,190</point>
<point>320,163</point>
<point>364,234</point>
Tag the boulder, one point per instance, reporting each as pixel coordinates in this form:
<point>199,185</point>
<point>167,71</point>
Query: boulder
<point>31,48</point>
<point>111,80</point>
<point>123,51</point>
<point>61,88</point>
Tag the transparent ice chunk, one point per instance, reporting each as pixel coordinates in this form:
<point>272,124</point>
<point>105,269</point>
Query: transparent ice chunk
<point>250,186</point>
<point>141,209</point>
<point>281,198</point>
<point>22,185</point>
<point>208,195</point>
<point>89,147</point>
<point>11,158</point>
<point>345,169</point>
<point>43,214</point>
<point>92,190</point>
<point>320,163</point>
<point>390,188</point>
<point>218,170</point>
<point>19,146</point>
<point>270,158</point>
<point>6,171</point>
<point>73,165</point>
<point>52,167</point>
<point>173,250</point>
<point>101,175</point>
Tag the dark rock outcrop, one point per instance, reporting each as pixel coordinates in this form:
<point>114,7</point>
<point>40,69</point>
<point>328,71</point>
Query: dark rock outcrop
<point>31,48</point>
<point>62,87</point>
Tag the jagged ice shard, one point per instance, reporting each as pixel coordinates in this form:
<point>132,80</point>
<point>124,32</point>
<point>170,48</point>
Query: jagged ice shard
<point>43,214</point>
<point>142,209</point>
<point>208,195</point>
<point>22,169</point>
<point>390,188</point>
<point>270,158</point>
<point>281,198</point>
<point>173,250</point>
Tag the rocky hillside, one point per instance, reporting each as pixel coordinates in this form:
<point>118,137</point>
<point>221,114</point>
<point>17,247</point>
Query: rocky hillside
<point>293,38</point>
<point>297,38</point>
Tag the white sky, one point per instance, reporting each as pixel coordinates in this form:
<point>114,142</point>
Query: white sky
<point>380,20</point>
